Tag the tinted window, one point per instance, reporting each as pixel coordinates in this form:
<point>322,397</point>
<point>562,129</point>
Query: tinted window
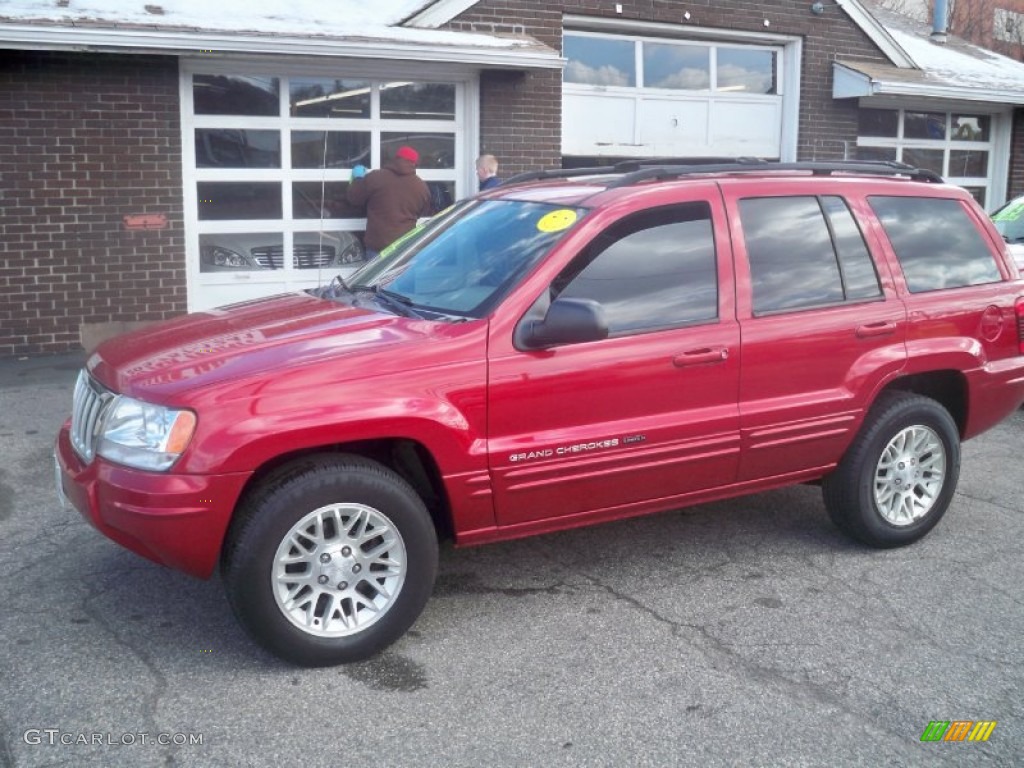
<point>792,260</point>
<point>652,270</point>
<point>936,243</point>
<point>860,281</point>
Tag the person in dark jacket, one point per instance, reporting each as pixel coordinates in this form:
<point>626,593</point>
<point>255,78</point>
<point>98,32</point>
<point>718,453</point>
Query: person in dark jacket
<point>394,198</point>
<point>487,172</point>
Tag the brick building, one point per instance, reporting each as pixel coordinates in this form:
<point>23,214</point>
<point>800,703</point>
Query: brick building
<point>163,158</point>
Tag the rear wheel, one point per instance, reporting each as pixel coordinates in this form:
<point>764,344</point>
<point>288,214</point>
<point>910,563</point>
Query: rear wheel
<point>331,560</point>
<point>898,477</point>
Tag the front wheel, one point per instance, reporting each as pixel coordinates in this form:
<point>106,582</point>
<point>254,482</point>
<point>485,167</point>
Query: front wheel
<point>898,477</point>
<point>331,560</point>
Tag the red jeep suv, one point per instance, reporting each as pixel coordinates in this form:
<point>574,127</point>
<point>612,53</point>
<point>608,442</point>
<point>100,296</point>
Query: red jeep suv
<point>570,348</point>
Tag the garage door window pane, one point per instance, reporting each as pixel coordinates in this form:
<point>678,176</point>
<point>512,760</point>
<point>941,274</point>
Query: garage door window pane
<point>926,159</point>
<point>330,149</point>
<point>329,97</point>
<point>237,148</point>
<point>417,101</point>
<point>745,70</point>
<point>680,67</point>
<point>437,150</point>
<point>878,122</point>
<point>240,252</point>
<point>316,200</point>
<point>924,125</point>
<point>223,200</point>
<point>876,153</point>
<point>599,61</point>
<point>252,95</point>
<point>966,162</point>
<point>971,127</point>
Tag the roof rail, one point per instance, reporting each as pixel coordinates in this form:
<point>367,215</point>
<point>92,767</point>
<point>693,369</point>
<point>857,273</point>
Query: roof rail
<point>560,173</point>
<point>823,168</point>
<point>635,171</point>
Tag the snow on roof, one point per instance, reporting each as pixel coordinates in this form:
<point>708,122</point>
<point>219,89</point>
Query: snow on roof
<point>951,65</point>
<point>349,19</point>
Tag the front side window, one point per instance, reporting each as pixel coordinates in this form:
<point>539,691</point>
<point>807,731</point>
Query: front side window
<point>936,242</point>
<point>652,270</point>
<point>805,252</point>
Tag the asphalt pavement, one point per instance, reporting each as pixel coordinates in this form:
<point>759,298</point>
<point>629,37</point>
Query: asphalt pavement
<point>741,633</point>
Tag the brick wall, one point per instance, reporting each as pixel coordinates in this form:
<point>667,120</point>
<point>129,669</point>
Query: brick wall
<point>521,114</point>
<point>86,140</point>
<point>1015,184</point>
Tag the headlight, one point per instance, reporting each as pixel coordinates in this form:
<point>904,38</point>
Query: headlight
<point>218,256</point>
<point>145,436</point>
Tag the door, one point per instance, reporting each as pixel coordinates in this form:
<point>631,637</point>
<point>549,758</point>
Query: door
<point>822,327</point>
<point>644,416</point>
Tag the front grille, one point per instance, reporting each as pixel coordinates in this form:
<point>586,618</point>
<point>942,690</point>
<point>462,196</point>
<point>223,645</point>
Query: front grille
<point>88,408</point>
<point>306,256</point>
<point>269,256</point>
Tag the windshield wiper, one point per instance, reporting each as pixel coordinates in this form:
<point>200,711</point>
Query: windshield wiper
<point>399,303</point>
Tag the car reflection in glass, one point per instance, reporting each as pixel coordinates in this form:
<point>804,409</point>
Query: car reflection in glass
<point>263,251</point>
<point>1009,221</point>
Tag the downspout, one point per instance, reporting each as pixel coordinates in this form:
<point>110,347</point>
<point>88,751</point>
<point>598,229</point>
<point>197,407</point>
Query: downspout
<point>940,19</point>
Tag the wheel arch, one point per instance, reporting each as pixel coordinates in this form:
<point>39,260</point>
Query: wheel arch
<point>408,458</point>
<point>947,387</point>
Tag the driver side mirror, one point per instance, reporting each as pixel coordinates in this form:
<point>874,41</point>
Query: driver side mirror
<point>567,321</point>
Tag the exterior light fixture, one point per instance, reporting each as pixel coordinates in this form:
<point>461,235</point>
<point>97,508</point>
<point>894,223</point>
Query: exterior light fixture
<point>817,8</point>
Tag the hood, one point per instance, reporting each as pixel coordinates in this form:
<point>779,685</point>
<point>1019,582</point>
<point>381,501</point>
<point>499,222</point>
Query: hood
<point>242,340</point>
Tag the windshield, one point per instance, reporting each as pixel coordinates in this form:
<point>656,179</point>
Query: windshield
<point>1009,220</point>
<point>464,261</point>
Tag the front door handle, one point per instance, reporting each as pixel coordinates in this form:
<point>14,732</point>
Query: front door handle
<point>701,356</point>
<point>883,328</point>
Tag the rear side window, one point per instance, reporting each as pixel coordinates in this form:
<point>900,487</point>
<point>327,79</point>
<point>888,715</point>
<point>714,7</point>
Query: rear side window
<point>936,242</point>
<point>805,252</point>
<point>652,270</point>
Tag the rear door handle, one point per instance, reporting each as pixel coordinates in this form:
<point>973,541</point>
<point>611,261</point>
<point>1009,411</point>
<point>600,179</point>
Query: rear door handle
<point>882,328</point>
<point>701,356</point>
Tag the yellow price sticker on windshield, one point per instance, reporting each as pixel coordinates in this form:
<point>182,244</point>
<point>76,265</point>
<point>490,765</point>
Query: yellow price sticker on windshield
<point>556,221</point>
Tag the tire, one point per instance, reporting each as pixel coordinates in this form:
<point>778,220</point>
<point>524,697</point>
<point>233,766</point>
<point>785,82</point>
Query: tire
<point>330,560</point>
<point>898,477</point>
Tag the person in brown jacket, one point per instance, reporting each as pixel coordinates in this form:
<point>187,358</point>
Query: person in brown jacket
<point>394,198</point>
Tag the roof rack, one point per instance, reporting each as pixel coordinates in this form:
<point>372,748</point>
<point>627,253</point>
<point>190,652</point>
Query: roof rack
<point>634,172</point>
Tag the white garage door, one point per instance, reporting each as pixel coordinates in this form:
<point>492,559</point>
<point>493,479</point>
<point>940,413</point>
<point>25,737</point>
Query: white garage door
<point>651,97</point>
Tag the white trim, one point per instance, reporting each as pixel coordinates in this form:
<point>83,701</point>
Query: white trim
<point>677,32</point>
<point>847,83</point>
<point>493,53</point>
<point>879,34</point>
<point>438,13</point>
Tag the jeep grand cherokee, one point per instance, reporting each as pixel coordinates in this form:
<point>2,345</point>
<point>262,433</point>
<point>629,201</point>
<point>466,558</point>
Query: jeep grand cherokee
<point>568,349</point>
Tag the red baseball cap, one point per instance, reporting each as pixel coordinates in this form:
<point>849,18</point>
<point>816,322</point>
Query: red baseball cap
<point>408,153</point>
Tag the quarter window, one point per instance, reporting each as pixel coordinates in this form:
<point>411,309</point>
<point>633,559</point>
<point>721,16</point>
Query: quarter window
<point>805,252</point>
<point>652,270</point>
<point>936,243</point>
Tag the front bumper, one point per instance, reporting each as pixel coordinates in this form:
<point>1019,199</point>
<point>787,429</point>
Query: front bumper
<point>177,520</point>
